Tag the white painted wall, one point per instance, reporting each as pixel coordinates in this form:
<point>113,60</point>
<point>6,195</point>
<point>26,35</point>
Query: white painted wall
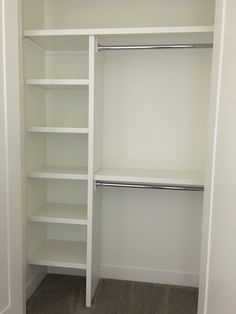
<point>4,288</point>
<point>156,107</point>
<point>122,13</point>
<point>33,14</point>
<point>151,236</point>
<point>155,117</point>
<point>218,290</point>
<point>105,13</point>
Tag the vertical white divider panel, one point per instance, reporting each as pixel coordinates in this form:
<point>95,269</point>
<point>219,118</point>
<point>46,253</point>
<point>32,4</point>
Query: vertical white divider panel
<point>94,163</point>
<point>11,200</point>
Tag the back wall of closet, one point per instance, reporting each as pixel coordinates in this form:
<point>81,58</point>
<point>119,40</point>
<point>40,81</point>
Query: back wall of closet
<point>155,117</point>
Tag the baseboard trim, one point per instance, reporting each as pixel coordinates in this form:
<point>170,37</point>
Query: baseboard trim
<point>33,284</point>
<point>160,276</point>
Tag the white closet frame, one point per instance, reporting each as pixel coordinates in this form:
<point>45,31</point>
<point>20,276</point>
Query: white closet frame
<point>94,83</point>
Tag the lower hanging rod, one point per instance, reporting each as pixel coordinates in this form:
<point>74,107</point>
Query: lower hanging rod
<point>160,46</point>
<point>150,186</point>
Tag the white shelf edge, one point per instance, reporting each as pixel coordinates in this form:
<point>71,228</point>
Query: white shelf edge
<point>60,214</point>
<point>57,82</point>
<point>120,31</point>
<point>39,129</point>
<point>56,264</point>
<point>45,254</point>
<point>67,221</point>
<point>42,175</point>
<point>159,178</point>
<point>65,173</point>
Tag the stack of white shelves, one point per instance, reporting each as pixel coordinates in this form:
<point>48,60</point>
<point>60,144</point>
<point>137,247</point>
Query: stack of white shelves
<point>53,252</point>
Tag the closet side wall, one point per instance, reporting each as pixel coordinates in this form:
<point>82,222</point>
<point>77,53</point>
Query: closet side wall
<point>35,156</point>
<point>217,294</point>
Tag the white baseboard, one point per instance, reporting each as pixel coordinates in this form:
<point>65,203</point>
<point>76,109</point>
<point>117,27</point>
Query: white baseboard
<point>34,282</point>
<point>160,276</point>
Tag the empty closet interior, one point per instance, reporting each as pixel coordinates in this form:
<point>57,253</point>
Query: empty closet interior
<point>116,101</point>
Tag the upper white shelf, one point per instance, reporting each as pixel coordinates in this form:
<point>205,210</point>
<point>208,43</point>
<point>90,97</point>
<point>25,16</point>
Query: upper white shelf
<point>75,39</point>
<point>56,172</point>
<point>169,177</point>
<point>119,31</point>
<point>58,83</point>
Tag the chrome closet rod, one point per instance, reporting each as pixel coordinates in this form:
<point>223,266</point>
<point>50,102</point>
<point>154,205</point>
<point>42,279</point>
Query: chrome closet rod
<point>161,46</point>
<point>149,186</point>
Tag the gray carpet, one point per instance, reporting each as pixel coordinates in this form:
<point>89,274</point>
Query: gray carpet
<point>60,294</point>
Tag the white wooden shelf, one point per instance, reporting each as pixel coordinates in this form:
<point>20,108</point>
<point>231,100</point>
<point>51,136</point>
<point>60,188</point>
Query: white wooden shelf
<point>64,42</point>
<point>119,31</point>
<point>75,39</point>
<point>58,253</point>
<point>170,177</point>
<point>41,129</point>
<point>61,214</point>
<point>58,83</point>
<point>56,172</point>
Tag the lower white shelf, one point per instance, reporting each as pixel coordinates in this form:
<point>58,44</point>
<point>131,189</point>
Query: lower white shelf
<point>59,83</point>
<point>58,253</point>
<point>60,172</point>
<point>47,129</point>
<point>170,177</point>
<point>61,214</point>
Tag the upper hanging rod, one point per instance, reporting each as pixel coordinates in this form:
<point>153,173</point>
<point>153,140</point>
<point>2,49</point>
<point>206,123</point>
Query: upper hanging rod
<point>161,46</point>
<point>149,186</point>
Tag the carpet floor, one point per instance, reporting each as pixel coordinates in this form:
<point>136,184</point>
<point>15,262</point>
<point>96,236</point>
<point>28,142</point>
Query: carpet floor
<point>59,294</point>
